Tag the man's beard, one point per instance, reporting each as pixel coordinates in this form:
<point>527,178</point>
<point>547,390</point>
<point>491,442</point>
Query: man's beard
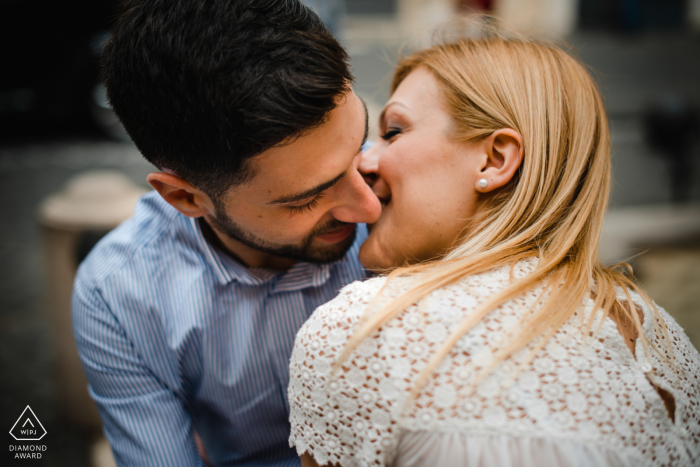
<point>303,251</point>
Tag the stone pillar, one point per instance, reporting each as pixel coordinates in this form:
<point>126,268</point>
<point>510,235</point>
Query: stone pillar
<point>419,17</point>
<point>72,220</point>
<point>552,18</point>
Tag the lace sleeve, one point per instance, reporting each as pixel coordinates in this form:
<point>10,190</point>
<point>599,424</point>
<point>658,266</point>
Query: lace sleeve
<point>330,414</point>
<point>677,374</point>
<point>682,381</point>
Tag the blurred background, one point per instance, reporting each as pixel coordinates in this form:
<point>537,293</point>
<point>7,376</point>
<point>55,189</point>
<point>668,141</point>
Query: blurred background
<point>55,125</point>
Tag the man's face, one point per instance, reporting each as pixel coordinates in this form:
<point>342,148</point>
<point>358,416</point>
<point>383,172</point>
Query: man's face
<point>306,197</point>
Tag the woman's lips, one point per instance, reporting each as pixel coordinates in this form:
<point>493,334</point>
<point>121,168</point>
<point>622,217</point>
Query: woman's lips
<point>337,235</point>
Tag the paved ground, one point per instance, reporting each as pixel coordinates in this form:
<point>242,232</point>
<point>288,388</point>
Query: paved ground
<point>633,71</point>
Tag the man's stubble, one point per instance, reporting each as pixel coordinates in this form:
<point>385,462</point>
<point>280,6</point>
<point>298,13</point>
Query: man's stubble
<point>303,251</point>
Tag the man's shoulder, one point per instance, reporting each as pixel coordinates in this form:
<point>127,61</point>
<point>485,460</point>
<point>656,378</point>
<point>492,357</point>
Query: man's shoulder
<point>154,225</point>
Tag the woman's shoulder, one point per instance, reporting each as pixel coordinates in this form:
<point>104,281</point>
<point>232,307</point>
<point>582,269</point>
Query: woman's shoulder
<point>492,281</point>
<point>359,299</point>
<point>333,323</point>
<point>314,391</point>
<point>348,306</point>
<point>324,335</point>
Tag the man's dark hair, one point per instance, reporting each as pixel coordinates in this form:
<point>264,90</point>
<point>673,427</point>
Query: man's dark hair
<point>201,86</point>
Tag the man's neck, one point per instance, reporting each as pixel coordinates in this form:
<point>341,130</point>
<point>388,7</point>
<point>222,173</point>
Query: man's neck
<point>247,256</point>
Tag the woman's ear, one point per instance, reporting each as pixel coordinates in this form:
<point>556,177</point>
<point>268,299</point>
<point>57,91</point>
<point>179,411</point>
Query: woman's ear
<point>504,154</point>
<point>181,195</point>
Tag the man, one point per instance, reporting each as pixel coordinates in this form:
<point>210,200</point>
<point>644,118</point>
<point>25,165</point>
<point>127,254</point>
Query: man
<point>185,315</point>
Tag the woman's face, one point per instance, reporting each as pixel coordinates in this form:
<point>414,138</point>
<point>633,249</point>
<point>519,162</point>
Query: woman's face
<point>425,180</point>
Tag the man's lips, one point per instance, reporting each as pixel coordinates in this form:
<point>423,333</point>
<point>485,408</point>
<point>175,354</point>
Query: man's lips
<point>337,235</point>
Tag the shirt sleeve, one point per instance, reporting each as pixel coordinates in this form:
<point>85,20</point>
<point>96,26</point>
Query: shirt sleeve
<point>345,417</point>
<point>144,421</point>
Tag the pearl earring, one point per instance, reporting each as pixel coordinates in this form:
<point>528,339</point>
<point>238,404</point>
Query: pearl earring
<point>483,183</point>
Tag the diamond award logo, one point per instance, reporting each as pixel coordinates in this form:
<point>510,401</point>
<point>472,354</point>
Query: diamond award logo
<point>28,427</point>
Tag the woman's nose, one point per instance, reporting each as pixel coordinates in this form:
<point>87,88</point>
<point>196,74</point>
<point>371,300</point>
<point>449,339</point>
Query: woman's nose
<point>369,164</point>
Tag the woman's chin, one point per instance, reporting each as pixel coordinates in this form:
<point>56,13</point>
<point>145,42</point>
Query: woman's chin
<point>372,258</point>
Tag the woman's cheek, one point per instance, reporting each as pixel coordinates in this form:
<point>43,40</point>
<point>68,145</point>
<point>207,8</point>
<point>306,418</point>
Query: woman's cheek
<point>378,250</point>
<point>373,257</point>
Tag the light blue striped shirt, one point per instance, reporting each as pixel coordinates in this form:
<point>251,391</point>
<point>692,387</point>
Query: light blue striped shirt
<point>176,336</point>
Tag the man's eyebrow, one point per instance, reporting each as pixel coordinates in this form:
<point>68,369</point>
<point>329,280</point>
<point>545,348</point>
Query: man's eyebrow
<point>308,193</point>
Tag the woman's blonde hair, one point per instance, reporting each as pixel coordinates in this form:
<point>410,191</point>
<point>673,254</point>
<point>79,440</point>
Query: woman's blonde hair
<point>552,209</point>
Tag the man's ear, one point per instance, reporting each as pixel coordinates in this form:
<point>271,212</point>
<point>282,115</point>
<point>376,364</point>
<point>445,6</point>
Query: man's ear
<point>181,195</point>
<point>504,154</point>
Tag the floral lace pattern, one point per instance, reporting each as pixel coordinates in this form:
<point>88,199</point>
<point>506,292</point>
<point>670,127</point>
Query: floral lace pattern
<point>589,390</point>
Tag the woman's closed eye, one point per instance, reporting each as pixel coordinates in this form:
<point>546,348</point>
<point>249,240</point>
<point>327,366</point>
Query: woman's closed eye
<point>390,133</point>
<point>307,206</point>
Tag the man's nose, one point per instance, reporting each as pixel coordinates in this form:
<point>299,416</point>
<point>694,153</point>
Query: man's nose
<point>360,204</point>
<point>369,164</point>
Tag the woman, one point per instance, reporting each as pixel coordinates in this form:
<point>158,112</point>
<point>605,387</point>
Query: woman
<point>500,339</point>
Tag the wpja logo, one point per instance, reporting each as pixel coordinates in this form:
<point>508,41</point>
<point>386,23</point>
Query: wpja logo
<point>28,428</point>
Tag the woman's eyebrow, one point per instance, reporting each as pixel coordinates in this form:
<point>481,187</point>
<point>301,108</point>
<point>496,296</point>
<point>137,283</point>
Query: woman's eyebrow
<point>386,107</point>
<point>307,193</point>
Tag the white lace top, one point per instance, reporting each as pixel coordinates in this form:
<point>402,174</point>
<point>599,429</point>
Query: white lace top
<point>581,402</point>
